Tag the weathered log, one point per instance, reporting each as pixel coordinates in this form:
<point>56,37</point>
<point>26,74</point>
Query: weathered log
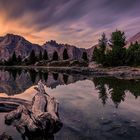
<point>10,104</point>
<point>39,116</point>
<point>14,101</point>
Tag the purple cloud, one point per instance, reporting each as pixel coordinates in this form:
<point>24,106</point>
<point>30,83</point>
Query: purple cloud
<point>75,20</point>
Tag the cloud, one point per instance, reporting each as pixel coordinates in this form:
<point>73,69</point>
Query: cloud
<point>79,22</point>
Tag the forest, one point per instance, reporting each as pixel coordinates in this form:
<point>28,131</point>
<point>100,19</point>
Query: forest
<point>113,52</point>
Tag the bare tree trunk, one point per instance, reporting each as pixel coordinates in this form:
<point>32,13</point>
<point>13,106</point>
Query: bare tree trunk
<point>40,115</point>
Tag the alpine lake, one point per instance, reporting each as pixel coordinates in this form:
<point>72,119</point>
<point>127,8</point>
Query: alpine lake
<point>90,107</point>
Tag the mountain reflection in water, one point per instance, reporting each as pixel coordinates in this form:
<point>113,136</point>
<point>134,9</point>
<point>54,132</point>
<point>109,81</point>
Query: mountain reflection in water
<point>91,107</point>
<point>16,80</point>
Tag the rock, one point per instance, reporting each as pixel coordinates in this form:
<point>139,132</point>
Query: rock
<point>122,132</point>
<point>106,122</point>
<point>108,135</point>
<point>76,63</point>
<point>126,122</point>
<point>64,63</point>
<point>133,121</point>
<point>107,126</point>
<point>132,126</point>
<point>42,63</point>
<point>4,136</point>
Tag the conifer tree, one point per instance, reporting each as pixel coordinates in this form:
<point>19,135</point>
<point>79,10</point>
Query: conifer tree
<point>65,54</point>
<point>14,58</point>
<point>103,43</point>
<point>32,57</point>
<point>40,56</point>
<point>84,56</point>
<point>55,56</point>
<point>118,53</point>
<point>99,53</point>
<point>45,55</point>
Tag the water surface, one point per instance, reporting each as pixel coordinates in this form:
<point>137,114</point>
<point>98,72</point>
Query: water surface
<point>91,108</point>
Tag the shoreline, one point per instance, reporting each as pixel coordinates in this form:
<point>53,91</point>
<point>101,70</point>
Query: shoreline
<point>121,72</point>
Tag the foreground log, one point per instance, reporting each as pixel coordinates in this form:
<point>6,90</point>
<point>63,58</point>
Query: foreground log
<point>10,104</point>
<point>39,116</point>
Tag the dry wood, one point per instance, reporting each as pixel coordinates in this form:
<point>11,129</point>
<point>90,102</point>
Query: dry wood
<point>39,115</point>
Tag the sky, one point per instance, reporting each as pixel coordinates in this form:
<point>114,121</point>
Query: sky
<point>76,22</point>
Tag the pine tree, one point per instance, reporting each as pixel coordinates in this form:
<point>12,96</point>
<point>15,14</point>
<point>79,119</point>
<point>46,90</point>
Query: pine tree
<point>32,57</point>
<point>84,56</point>
<point>99,53</point>
<point>45,55</point>
<point>103,43</point>
<point>65,54</point>
<point>118,41</point>
<point>40,56</point>
<point>55,56</point>
<point>14,58</point>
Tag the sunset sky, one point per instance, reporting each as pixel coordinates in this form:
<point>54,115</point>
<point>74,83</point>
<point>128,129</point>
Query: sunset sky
<point>77,22</point>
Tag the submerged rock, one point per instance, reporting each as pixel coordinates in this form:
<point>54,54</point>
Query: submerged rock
<point>5,136</point>
<point>106,122</point>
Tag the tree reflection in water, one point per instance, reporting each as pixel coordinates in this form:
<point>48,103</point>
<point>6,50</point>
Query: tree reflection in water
<point>33,75</point>
<point>55,76</point>
<point>17,80</point>
<point>65,78</point>
<point>116,88</point>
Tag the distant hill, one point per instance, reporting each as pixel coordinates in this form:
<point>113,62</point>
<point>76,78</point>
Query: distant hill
<point>133,39</point>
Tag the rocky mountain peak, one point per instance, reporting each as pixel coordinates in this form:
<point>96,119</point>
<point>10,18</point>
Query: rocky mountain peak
<point>134,38</point>
<point>11,39</point>
<point>13,36</point>
<point>52,43</point>
<point>10,43</point>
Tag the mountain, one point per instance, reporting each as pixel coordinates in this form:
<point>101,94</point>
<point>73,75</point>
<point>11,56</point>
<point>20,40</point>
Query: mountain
<point>90,51</point>
<point>10,43</point>
<point>133,39</point>
<point>73,52</point>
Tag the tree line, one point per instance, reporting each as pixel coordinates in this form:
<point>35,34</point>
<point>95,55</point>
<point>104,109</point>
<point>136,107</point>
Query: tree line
<point>33,58</point>
<point>17,60</point>
<point>114,53</point>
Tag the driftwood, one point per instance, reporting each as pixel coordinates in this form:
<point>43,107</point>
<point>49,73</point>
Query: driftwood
<point>40,115</point>
<point>10,104</point>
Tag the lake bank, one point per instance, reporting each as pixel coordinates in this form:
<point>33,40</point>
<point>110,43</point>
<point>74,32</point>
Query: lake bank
<point>122,72</point>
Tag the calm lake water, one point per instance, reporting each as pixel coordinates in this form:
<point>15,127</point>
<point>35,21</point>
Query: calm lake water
<point>91,108</point>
